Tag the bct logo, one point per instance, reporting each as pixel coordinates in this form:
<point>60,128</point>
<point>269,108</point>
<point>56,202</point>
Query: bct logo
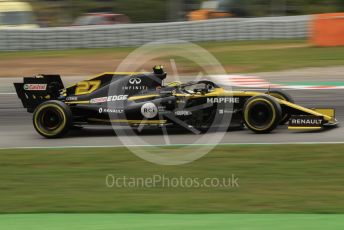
<point>149,110</point>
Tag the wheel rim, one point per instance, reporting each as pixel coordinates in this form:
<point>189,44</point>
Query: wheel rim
<point>260,115</point>
<point>50,119</point>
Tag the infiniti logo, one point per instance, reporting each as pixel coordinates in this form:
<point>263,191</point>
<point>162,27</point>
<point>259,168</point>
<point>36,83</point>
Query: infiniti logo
<point>134,81</point>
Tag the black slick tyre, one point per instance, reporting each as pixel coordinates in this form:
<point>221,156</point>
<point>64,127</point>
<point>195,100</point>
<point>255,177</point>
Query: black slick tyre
<point>280,94</point>
<point>52,119</point>
<point>262,114</point>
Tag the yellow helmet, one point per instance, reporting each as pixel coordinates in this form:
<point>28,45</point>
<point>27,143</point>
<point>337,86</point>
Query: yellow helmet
<point>158,69</point>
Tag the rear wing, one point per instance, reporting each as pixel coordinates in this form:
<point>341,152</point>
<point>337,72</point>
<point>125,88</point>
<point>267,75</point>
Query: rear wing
<point>35,90</point>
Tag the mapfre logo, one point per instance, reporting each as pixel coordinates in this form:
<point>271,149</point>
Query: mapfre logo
<point>149,110</point>
<point>135,81</point>
<point>35,87</point>
<point>232,100</point>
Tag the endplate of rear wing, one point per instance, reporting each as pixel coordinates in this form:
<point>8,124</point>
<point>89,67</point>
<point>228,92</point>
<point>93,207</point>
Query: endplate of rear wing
<point>35,90</point>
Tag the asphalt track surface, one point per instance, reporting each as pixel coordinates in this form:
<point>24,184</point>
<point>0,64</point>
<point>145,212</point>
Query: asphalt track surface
<point>16,128</point>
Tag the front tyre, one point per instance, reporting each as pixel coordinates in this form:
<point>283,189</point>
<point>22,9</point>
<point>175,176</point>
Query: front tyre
<point>52,119</point>
<point>262,114</point>
<point>280,94</point>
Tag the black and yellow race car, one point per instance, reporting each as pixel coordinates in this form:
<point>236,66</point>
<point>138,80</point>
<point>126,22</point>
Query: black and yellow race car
<point>142,99</point>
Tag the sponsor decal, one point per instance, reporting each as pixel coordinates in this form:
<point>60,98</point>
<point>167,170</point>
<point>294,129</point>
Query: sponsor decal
<point>117,111</point>
<point>181,101</point>
<point>161,108</point>
<point>117,98</point>
<point>98,100</point>
<point>135,87</point>
<point>135,81</point>
<point>183,113</point>
<point>232,100</point>
<point>307,121</point>
<point>35,87</point>
<point>109,99</point>
<point>135,84</point>
<point>71,98</point>
<point>149,110</point>
<point>223,111</point>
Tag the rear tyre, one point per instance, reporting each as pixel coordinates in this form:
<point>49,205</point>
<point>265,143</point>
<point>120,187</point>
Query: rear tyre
<point>280,94</point>
<point>262,114</point>
<point>52,119</point>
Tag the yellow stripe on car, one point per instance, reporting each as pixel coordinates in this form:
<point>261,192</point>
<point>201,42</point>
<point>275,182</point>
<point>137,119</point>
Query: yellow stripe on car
<point>303,128</point>
<point>77,102</point>
<point>327,112</point>
<point>133,98</point>
<point>112,74</point>
<point>310,111</point>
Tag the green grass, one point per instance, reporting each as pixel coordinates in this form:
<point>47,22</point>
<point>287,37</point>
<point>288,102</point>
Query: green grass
<point>282,59</point>
<point>272,179</point>
<point>258,56</point>
<point>170,221</point>
<point>243,56</point>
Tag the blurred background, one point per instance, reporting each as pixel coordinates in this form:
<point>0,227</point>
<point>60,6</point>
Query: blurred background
<point>67,12</point>
<point>92,36</point>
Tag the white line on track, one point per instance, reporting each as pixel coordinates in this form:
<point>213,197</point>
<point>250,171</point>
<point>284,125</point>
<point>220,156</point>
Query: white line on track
<point>7,93</point>
<point>176,145</point>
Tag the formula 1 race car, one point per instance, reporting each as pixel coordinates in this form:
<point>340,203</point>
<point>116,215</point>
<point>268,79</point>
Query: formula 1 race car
<point>142,99</point>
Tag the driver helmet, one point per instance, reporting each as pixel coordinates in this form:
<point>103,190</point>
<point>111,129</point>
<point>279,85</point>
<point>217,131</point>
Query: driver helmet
<point>158,69</point>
